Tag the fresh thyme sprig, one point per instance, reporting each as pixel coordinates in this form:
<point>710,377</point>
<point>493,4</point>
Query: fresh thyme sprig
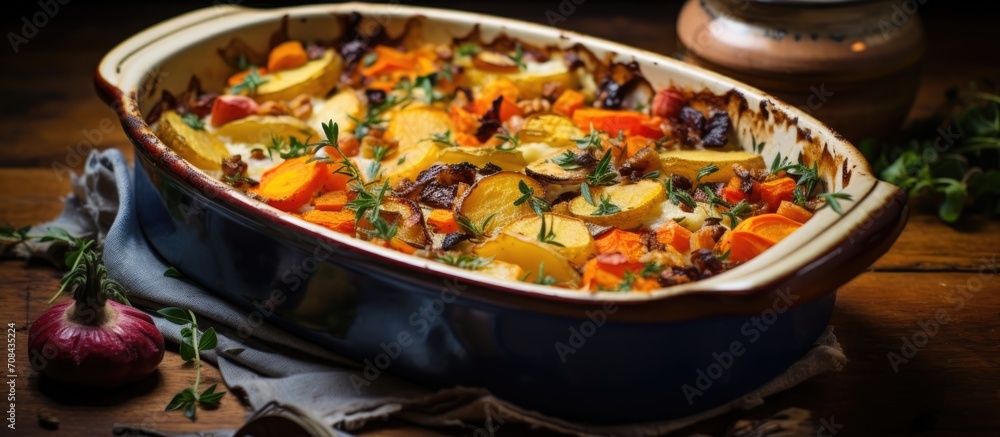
<point>707,170</point>
<point>567,161</point>
<point>444,139</point>
<point>678,197</point>
<point>510,142</point>
<point>548,236</point>
<point>518,57</point>
<point>537,204</point>
<point>603,173</point>
<point>465,261</point>
<point>591,141</point>
<point>250,83</point>
<point>833,201</point>
<point>193,341</point>
<point>737,212</point>
<point>191,119</point>
<point>606,207</point>
<point>476,231</point>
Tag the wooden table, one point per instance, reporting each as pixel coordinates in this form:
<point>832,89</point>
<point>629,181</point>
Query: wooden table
<point>951,385</point>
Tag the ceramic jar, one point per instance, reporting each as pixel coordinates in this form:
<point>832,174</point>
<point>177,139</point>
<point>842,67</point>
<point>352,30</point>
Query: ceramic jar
<point>853,64</point>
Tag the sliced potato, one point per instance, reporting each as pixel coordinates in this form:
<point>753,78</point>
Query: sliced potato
<point>315,78</point>
<point>196,146</point>
<point>502,270</point>
<point>494,196</point>
<point>571,233</point>
<point>261,128</point>
<point>409,220</point>
<point>637,203</point>
<point>415,125</point>
<point>339,109</point>
<point>547,171</point>
<point>480,156</point>
<point>407,163</point>
<point>553,129</point>
<point>531,82</point>
<point>687,163</point>
<point>532,255</point>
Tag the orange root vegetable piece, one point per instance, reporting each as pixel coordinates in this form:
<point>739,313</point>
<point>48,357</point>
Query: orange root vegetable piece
<point>702,239</point>
<point>743,245</point>
<point>733,192</point>
<point>794,212</point>
<point>771,227</point>
<point>331,201</point>
<point>623,242</point>
<point>674,235</point>
<point>402,246</point>
<point>340,221</point>
<point>464,139</point>
<point>501,87</point>
<point>465,121</point>
<point>442,221</point>
<point>334,181</point>
<point>395,64</point>
<point>612,121</point>
<point>568,102</point>
<point>292,184</point>
<point>238,77</point>
<point>773,192</point>
<point>635,143</point>
<point>229,108</point>
<point>286,56</point>
<point>607,272</point>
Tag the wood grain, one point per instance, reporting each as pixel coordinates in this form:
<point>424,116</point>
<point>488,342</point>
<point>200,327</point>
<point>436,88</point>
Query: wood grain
<point>50,116</point>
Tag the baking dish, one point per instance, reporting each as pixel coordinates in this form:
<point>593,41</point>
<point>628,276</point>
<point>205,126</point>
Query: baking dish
<point>603,357</point>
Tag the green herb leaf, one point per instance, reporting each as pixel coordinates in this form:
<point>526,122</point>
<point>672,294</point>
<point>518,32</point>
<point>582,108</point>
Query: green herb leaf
<point>537,204</point>
<point>585,192</point>
<point>591,141</point>
<point>208,340</point>
<point>606,207</point>
<point>550,236</point>
<point>444,139</point>
<point>191,119</point>
<point>542,278</point>
<point>476,231</point>
<point>172,272</point>
<point>833,201</point>
<point>603,173</point>
<point>567,161</point>
<point>465,261</point>
<point>467,49</point>
<point>510,142</point>
<point>707,170</point>
<point>175,315</point>
<point>518,57</point>
<point>678,197</point>
<point>249,84</point>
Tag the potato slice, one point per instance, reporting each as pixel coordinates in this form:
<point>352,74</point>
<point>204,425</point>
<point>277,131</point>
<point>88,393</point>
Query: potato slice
<point>480,156</point>
<point>196,146</point>
<point>315,78</point>
<point>531,82</point>
<point>409,220</point>
<point>571,233</point>
<point>502,270</point>
<point>687,163</point>
<point>547,171</point>
<point>532,255</point>
<point>494,196</point>
<point>415,125</point>
<point>339,109</point>
<point>407,163</point>
<point>262,128</point>
<point>553,129</point>
<point>637,202</point>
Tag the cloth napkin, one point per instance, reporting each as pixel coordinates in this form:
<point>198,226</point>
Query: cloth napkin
<point>278,373</point>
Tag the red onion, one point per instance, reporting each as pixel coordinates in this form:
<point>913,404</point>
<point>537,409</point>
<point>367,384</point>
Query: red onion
<point>93,341</point>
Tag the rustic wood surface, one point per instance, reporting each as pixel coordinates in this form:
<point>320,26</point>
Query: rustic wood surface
<point>951,386</point>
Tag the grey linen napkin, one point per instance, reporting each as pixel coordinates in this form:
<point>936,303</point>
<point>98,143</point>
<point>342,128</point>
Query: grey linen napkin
<point>275,369</point>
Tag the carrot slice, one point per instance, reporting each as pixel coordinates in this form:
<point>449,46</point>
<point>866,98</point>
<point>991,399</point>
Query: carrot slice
<point>635,143</point>
<point>612,121</point>
<point>623,242</point>
<point>607,272</point>
<point>674,235</point>
<point>286,56</point>
<point>442,221</point>
<point>733,192</point>
<point>774,191</point>
<point>568,102</point>
<point>331,201</point>
<point>340,221</point>
<point>772,227</point>
<point>292,184</point>
<point>743,245</point>
<point>794,212</point>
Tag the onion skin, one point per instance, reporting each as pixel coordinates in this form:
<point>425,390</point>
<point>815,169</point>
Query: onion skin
<point>95,346</point>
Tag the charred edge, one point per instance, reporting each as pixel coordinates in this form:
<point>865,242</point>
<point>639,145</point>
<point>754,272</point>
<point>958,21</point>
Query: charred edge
<point>803,134</point>
<point>845,175</point>
<point>764,112</point>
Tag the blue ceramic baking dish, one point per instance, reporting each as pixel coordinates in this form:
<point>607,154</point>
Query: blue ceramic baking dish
<point>600,358</point>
